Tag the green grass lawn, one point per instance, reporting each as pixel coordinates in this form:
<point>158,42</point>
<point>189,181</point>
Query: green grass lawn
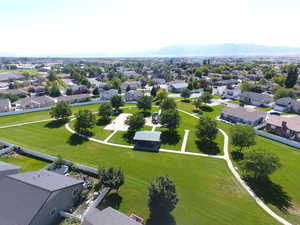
<point>26,163</point>
<point>208,193</point>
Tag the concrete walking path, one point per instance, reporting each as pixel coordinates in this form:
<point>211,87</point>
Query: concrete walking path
<point>185,139</point>
<point>111,135</point>
<point>26,123</point>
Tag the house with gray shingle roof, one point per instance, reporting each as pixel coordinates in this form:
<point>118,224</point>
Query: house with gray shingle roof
<point>243,115</point>
<point>5,105</point>
<point>108,216</point>
<point>35,102</point>
<point>8,169</point>
<point>287,104</point>
<point>177,86</point>
<point>36,198</point>
<point>257,99</point>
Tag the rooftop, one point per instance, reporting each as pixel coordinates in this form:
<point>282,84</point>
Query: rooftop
<point>147,136</point>
<point>6,166</point>
<point>292,123</point>
<point>46,180</point>
<point>244,113</point>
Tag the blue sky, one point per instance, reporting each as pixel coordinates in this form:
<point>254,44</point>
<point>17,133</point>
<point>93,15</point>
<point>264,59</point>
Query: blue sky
<point>52,27</point>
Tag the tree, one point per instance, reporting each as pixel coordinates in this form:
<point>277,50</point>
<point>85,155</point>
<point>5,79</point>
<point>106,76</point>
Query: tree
<point>54,91</point>
<point>168,103</point>
<point>52,76</point>
<point>145,103</point>
<point>161,95</point>
<point>185,93</point>
<point>162,198</point>
<point>111,177</point>
<point>197,103</point>
<point>206,97</point>
<point>85,120</point>
<point>284,92</point>
<point>292,76</point>
<point>135,122</point>
<point>128,88</point>
<point>154,91</point>
<point>242,136</point>
<point>206,129</point>
<point>116,102</point>
<point>280,80</point>
<point>96,91</point>
<point>105,111</point>
<point>170,119</point>
<point>62,110</point>
<point>259,163</point>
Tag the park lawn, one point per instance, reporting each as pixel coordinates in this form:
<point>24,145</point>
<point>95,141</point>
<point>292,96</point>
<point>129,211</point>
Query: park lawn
<point>208,192</point>
<point>26,163</point>
<point>43,115</point>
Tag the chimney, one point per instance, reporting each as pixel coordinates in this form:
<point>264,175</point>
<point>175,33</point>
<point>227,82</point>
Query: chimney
<point>283,124</point>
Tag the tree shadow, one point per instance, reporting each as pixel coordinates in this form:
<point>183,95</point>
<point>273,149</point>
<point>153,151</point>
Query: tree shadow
<point>206,108</point>
<point>117,112</point>
<point>112,200</point>
<point>198,111</point>
<point>55,124</point>
<point>210,148</point>
<point>170,137</point>
<point>167,219</point>
<point>237,155</point>
<point>185,100</point>
<point>270,193</point>
<point>128,136</point>
<point>146,113</point>
<point>75,139</point>
<point>103,121</point>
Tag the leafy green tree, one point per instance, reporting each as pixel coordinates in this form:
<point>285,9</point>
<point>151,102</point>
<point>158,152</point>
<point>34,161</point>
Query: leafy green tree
<point>259,164</point>
<point>85,120</point>
<point>96,91</point>
<point>62,110</point>
<point>170,119</point>
<point>292,76</point>
<point>242,136</point>
<point>117,101</point>
<point>144,103</point>
<point>105,111</point>
<point>54,91</point>
<point>135,122</point>
<point>197,103</point>
<point>206,129</point>
<point>116,83</point>
<point>111,177</point>
<point>162,198</point>
<point>52,76</point>
<point>206,97</point>
<point>168,103</point>
<point>161,95</point>
<point>185,93</point>
<point>280,80</point>
<point>154,91</point>
<point>284,92</point>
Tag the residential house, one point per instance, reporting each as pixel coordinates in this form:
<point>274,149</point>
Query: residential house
<point>225,82</point>
<point>74,98</point>
<point>133,95</point>
<point>8,169</point>
<point>37,198</point>
<point>159,81</point>
<point>107,94</point>
<point>232,92</point>
<point>177,86</point>
<point>19,92</point>
<point>5,105</point>
<point>40,90</point>
<point>35,102</point>
<point>287,104</point>
<point>133,85</point>
<point>79,89</point>
<point>243,115</point>
<point>288,127</point>
<point>10,76</point>
<point>257,99</point>
<point>107,216</point>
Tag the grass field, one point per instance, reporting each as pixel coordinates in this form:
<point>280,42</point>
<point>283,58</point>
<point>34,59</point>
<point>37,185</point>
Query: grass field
<point>26,163</point>
<point>201,182</point>
<point>208,192</point>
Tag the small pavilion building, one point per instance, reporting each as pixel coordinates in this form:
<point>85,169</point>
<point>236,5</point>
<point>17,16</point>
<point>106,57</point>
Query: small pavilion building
<point>147,140</point>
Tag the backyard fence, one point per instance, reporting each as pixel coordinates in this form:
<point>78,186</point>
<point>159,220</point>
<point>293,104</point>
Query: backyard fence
<point>279,139</point>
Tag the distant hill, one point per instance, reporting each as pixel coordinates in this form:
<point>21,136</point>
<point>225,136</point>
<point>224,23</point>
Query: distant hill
<point>224,50</point>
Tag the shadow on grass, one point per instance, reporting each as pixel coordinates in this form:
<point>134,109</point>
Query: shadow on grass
<point>206,108</point>
<point>170,137</point>
<point>161,220</point>
<point>128,136</point>
<point>197,111</point>
<point>210,148</point>
<point>112,200</point>
<point>103,121</point>
<point>56,124</point>
<point>75,139</point>
<point>270,193</point>
<point>185,100</point>
<point>237,155</point>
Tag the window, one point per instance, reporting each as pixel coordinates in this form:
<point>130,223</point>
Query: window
<point>75,192</point>
<point>52,212</point>
<point>273,127</point>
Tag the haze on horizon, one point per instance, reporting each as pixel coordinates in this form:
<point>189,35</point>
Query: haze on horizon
<point>79,27</point>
